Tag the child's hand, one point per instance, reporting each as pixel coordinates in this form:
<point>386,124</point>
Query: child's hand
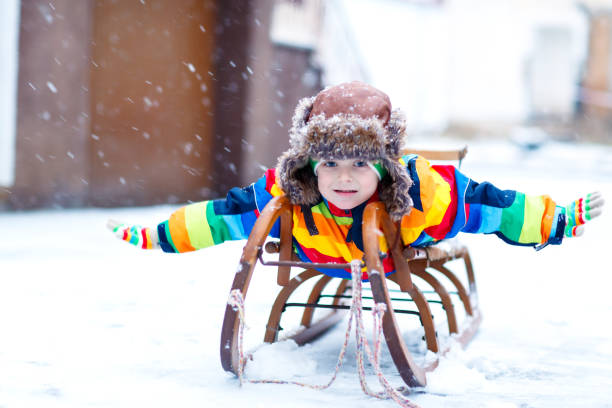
<point>580,211</point>
<point>145,238</point>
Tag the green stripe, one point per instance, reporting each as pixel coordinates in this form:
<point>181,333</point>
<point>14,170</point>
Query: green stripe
<point>322,209</point>
<point>532,225</point>
<point>313,164</point>
<point>197,225</point>
<point>512,218</point>
<point>218,227</point>
<point>570,214</point>
<point>382,171</point>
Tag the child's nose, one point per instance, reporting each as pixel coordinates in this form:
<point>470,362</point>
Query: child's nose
<point>346,175</point>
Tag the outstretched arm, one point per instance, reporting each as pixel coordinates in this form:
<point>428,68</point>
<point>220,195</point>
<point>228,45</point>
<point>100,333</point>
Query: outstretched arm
<point>447,202</point>
<point>207,223</point>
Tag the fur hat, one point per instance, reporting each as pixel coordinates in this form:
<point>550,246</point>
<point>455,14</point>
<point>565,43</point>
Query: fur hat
<point>346,121</point>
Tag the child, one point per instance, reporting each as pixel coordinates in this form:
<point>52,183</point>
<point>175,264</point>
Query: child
<point>345,152</point>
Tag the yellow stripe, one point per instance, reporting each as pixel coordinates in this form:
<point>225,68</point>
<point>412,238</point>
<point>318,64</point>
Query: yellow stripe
<point>440,202</point>
<point>197,225</point>
<point>382,242</point>
<point>331,240</point>
<point>327,245</point>
<point>276,190</point>
<point>409,235</point>
<point>148,235</point>
<point>532,221</point>
<point>435,198</point>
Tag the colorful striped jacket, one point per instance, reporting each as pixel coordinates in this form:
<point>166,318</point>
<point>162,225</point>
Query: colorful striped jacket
<point>446,202</point>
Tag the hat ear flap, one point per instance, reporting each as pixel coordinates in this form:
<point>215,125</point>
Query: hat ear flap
<point>396,134</point>
<point>297,180</point>
<point>394,190</point>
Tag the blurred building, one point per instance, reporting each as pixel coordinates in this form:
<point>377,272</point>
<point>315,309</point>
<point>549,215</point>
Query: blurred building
<point>596,87</point>
<point>465,61</point>
<point>143,101</point>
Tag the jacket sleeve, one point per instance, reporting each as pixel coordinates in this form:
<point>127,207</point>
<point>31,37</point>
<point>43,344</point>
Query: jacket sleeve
<point>453,203</point>
<point>207,223</point>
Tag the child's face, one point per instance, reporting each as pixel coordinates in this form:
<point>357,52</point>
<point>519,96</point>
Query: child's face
<point>346,183</point>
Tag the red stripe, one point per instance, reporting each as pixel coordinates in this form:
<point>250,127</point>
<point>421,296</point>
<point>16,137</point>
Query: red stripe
<point>270,179</point>
<point>317,257</point>
<point>338,212</point>
<point>144,238</point>
<point>125,234</point>
<point>579,211</point>
<point>388,264</point>
<point>439,231</point>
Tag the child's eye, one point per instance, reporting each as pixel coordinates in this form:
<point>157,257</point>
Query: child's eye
<point>330,164</point>
<point>360,163</point>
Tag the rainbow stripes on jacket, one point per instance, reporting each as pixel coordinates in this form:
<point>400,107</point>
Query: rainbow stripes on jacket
<point>446,202</point>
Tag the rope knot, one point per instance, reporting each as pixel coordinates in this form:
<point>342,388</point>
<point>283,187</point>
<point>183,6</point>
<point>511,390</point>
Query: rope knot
<point>380,309</point>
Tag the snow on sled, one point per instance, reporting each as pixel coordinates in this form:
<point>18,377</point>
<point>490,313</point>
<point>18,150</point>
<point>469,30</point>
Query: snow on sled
<point>425,266</point>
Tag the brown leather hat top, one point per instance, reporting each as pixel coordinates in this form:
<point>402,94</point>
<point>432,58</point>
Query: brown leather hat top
<point>353,98</point>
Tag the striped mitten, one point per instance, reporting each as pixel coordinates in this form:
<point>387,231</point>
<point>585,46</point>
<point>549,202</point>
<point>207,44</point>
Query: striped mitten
<point>145,238</point>
<point>580,211</point>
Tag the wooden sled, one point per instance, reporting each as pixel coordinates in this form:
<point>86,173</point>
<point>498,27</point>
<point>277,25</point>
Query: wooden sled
<point>429,265</point>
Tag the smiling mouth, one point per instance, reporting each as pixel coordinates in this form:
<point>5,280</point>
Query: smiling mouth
<point>345,191</point>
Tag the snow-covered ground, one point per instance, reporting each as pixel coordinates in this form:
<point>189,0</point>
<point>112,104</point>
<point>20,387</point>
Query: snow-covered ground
<point>86,320</point>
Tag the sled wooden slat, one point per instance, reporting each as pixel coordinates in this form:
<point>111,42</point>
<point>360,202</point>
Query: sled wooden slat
<point>447,303</point>
<point>314,297</point>
<point>279,305</point>
<point>455,154</point>
<point>313,331</point>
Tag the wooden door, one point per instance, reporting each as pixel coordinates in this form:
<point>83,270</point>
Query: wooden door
<point>152,100</point>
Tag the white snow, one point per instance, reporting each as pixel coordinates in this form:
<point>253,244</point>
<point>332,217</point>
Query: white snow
<point>87,320</point>
<point>51,87</point>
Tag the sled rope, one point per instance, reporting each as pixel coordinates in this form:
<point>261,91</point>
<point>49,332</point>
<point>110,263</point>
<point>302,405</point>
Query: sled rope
<point>362,344</point>
<point>236,300</point>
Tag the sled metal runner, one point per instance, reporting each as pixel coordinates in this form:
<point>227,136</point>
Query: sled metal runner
<point>428,264</point>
